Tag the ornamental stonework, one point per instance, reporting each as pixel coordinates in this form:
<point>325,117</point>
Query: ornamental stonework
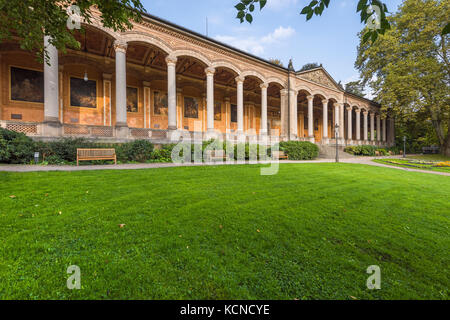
<point>320,77</point>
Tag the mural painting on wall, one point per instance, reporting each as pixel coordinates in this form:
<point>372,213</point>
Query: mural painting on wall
<point>217,111</point>
<point>160,103</point>
<point>190,107</point>
<point>132,99</point>
<point>233,113</point>
<point>83,93</point>
<point>27,85</point>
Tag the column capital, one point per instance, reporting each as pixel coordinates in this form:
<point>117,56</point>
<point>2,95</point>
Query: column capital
<point>145,84</point>
<point>210,71</point>
<point>372,113</point>
<point>120,46</point>
<point>239,79</point>
<point>171,60</point>
<point>338,104</point>
<point>264,85</point>
<point>348,108</point>
<point>365,112</point>
<point>284,92</point>
<point>325,101</point>
<point>294,92</point>
<point>357,110</point>
<point>310,97</point>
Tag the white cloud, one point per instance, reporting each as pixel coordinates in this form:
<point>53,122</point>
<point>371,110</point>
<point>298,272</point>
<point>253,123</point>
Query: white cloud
<point>257,45</point>
<point>280,33</point>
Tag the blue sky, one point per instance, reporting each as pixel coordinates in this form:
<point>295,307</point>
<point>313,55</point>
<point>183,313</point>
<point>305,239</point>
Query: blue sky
<point>278,31</point>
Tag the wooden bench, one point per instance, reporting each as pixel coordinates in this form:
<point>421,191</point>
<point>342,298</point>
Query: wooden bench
<point>215,155</point>
<point>96,154</point>
<point>279,155</point>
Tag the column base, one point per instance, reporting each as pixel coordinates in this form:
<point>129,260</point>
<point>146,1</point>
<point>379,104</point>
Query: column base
<point>122,131</point>
<point>52,127</point>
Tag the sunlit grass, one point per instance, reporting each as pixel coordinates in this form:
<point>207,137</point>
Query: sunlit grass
<point>225,232</point>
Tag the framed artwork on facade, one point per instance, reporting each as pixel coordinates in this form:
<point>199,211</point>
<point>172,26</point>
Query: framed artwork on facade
<point>217,111</point>
<point>83,93</point>
<point>190,107</point>
<point>160,106</point>
<point>132,99</point>
<point>233,113</point>
<point>26,85</point>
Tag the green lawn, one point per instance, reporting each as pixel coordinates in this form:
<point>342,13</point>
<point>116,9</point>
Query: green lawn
<point>421,162</point>
<point>225,232</point>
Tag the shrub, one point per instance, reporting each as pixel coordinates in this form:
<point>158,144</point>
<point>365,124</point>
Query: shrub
<point>300,150</point>
<point>15,147</point>
<point>138,150</point>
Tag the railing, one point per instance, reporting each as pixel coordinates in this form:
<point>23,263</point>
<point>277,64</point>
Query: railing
<point>28,128</point>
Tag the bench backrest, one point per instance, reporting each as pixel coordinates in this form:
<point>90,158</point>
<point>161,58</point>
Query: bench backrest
<point>216,153</point>
<point>277,153</point>
<point>92,153</point>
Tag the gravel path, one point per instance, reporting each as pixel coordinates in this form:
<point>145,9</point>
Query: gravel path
<point>34,168</point>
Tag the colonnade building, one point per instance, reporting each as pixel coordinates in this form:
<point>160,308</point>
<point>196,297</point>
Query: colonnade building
<point>158,78</point>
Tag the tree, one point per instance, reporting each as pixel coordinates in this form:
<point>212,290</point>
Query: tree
<point>409,69</point>
<point>309,66</point>
<point>355,87</point>
<point>31,20</point>
<point>276,61</point>
<point>375,19</point>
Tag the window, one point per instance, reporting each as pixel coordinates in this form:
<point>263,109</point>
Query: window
<point>160,103</point>
<point>190,107</point>
<point>132,99</point>
<point>233,113</point>
<point>217,111</point>
<point>27,85</point>
<point>83,93</point>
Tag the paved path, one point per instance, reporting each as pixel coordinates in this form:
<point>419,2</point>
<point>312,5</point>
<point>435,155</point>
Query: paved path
<point>33,168</point>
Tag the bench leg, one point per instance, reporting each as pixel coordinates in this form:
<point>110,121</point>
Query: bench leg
<point>115,160</point>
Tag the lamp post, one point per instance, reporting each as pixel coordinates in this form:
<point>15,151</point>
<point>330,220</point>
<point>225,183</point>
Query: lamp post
<point>404,146</point>
<point>336,135</point>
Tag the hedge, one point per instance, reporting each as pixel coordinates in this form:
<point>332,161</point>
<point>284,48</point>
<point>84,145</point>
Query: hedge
<point>300,150</point>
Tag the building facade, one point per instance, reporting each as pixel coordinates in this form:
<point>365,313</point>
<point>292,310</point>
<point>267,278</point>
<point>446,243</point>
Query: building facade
<point>159,78</point>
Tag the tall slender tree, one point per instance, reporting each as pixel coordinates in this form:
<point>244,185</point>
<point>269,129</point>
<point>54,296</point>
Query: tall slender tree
<point>409,69</point>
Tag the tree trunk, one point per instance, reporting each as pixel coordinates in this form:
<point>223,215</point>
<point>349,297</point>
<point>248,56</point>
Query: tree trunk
<point>445,147</point>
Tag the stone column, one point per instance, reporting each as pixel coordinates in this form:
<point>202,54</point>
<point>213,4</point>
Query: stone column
<point>210,98</point>
<point>172,92</point>
<point>358,124</point>
<point>365,113</point>
<point>121,88</point>
<point>263,129</point>
<point>384,129</point>
<point>240,104</point>
<point>341,121</point>
<point>310,117</point>
<point>51,91</point>
<point>284,113</point>
<point>349,124</point>
<point>325,119</point>
<point>147,111</point>
<point>293,113</point>
<point>378,127</point>
<point>372,126</point>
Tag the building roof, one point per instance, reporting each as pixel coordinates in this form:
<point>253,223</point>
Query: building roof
<point>239,51</point>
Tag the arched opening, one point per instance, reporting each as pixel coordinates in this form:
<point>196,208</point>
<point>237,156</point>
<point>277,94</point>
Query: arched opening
<point>225,99</point>
<point>274,109</point>
<point>252,104</point>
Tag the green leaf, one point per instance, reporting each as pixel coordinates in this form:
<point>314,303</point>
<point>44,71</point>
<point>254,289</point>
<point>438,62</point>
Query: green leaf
<point>249,18</point>
<point>240,6</point>
<point>262,3</point>
<point>446,29</point>
<point>306,10</point>
<point>362,5</point>
<point>251,8</point>
<point>309,15</point>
